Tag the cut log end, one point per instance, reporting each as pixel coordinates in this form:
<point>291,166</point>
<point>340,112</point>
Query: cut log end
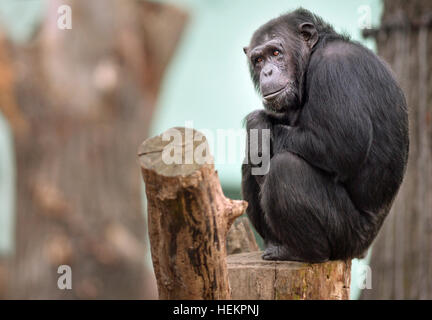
<point>176,152</point>
<point>252,278</point>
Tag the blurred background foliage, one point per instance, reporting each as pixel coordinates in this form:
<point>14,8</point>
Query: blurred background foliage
<point>75,105</point>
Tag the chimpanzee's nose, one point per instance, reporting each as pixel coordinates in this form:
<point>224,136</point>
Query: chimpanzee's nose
<point>267,71</point>
<point>271,80</point>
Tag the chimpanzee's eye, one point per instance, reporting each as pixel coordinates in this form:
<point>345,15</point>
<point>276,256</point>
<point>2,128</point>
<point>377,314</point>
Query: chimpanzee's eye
<point>258,60</point>
<point>276,53</point>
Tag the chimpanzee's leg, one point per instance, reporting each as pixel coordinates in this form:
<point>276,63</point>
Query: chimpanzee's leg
<point>251,184</point>
<point>310,214</point>
<point>251,194</point>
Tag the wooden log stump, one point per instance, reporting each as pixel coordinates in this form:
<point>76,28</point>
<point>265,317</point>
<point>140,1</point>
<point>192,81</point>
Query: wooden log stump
<point>252,278</point>
<point>241,238</point>
<point>188,216</point>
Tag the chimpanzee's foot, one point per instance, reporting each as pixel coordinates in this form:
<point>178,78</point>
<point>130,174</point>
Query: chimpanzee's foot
<point>277,252</point>
<point>282,253</point>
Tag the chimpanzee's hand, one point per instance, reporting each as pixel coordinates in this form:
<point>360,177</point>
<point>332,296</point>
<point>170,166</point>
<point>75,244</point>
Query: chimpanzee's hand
<point>258,119</point>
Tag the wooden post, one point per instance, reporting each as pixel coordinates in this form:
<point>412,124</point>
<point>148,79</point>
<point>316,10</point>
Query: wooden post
<point>252,278</point>
<point>188,217</point>
<point>241,238</point>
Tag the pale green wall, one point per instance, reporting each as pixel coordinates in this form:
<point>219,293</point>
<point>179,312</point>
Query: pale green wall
<point>18,20</point>
<point>7,189</point>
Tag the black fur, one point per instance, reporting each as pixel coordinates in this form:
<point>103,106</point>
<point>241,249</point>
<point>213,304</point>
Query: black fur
<point>339,146</point>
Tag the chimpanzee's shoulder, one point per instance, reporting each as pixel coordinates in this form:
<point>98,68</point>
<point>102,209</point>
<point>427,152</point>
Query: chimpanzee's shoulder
<point>340,50</point>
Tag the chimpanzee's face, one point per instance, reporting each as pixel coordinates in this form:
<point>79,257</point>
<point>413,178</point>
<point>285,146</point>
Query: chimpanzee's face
<point>274,72</point>
<point>277,63</point>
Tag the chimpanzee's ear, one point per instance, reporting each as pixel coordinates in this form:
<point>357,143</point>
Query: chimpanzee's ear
<point>246,50</point>
<point>309,34</point>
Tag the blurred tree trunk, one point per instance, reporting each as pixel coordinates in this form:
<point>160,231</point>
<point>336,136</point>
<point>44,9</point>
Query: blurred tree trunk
<point>9,110</point>
<point>85,98</point>
<point>4,274</point>
<point>402,254</point>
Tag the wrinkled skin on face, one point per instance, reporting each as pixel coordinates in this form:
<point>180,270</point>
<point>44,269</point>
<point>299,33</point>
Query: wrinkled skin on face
<point>277,61</point>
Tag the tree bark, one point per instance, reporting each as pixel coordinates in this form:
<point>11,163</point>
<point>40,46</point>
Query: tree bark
<point>241,238</point>
<point>252,278</point>
<point>83,100</point>
<point>4,276</point>
<point>402,254</point>
<point>188,219</point>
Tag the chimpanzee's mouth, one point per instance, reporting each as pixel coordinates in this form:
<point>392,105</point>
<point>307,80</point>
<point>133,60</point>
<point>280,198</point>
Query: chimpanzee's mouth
<point>274,94</point>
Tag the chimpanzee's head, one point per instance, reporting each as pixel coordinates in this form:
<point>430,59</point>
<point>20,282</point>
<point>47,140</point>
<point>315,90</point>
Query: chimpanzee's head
<point>278,56</point>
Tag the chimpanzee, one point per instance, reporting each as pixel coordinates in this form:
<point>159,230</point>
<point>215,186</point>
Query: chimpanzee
<point>339,141</point>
